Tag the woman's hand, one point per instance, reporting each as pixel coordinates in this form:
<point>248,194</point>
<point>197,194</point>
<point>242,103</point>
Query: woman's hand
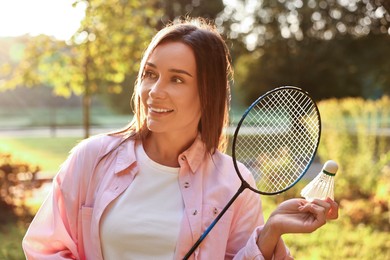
<point>295,216</point>
<point>302,216</point>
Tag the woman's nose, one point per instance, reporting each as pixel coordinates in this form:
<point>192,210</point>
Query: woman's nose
<point>157,90</point>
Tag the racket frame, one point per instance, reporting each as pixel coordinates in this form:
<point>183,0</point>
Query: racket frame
<point>236,133</point>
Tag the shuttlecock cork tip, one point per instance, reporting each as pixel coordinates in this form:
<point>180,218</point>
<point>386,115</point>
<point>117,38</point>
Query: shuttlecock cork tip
<point>330,167</point>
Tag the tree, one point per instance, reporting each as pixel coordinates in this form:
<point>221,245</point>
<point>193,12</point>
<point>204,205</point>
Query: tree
<point>194,8</point>
<point>321,46</point>
<point>97,58</point>
<point>103,55</point>
<point>111,40</point>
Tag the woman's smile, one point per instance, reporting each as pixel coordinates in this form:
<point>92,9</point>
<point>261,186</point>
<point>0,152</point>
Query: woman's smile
<point>161,111</point>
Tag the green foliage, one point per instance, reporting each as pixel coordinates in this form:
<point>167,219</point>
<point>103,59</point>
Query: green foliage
<point>337,68</point>
<point>103,55</point>
<point>340,240</point>
<point>359,124</point>
<point>354,136</point>
<point>172,9</point>
<point>262,23</point>
<point>98,57</point>
<point>329,48</point>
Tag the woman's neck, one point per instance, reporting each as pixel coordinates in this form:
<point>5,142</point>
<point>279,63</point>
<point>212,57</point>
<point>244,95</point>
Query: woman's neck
<point>165,149</point>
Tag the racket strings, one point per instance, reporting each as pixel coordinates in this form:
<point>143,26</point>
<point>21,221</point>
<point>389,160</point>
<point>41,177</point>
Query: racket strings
<point>278,138</point>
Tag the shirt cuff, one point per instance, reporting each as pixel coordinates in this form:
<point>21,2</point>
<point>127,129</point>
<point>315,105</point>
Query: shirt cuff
<point>252,251</point>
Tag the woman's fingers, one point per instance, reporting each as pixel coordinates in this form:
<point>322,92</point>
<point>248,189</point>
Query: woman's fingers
<point>334,209</point>
<point>316,206</point>
<point>318,211</point>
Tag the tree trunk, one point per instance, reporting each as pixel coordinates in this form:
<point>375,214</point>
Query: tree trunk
<point>87,94</point>
<point>86,112</point>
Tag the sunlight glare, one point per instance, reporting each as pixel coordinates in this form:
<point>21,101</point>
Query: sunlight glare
<point>56,18</point>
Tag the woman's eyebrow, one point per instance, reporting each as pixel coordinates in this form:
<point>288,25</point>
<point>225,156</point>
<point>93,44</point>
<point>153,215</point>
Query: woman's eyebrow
<point>171,70</point>
<point>151,65</point>
<point>181,71</point>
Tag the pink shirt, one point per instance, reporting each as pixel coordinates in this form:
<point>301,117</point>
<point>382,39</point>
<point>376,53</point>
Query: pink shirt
<point>67,224</point>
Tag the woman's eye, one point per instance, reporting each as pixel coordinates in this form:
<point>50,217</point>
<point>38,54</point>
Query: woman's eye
<point>177,80</point>
<point>149,75</point>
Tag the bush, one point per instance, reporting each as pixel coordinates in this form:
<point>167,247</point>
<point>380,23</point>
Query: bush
<point>338,239</point>
<point>354,135</point>
<point>17,180</point>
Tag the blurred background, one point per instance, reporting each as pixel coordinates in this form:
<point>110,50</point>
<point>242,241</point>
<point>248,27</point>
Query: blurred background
<point>67,70</point>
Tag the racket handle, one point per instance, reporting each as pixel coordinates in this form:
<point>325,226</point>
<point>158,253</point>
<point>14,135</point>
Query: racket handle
<point>243,186</point>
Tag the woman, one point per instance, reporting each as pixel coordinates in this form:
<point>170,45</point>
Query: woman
<point>150,190</point>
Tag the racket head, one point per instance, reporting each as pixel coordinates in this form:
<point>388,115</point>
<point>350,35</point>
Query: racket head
<point>277,139</point>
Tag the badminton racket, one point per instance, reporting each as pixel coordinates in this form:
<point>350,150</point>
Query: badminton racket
<point>276,139</point>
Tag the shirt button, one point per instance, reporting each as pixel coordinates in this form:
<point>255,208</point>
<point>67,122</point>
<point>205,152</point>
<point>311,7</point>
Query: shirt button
<point>195,213</point>
<point>186,185</point>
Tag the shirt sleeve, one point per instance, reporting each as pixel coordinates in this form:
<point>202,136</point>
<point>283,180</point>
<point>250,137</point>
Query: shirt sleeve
<point>53,232</point>
<point>48,236</point>
<point>251,211</point>
<point>252,251</point>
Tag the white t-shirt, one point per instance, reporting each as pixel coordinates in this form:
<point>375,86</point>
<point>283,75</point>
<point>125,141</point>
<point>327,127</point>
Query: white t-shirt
<point>144,221</point>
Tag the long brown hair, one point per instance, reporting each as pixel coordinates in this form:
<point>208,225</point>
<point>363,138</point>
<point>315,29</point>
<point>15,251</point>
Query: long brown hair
<point>214,72</point>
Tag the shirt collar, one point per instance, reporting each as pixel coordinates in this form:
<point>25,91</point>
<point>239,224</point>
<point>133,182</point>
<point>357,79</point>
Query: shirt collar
<point>194,155</point>
<point>125,155</point>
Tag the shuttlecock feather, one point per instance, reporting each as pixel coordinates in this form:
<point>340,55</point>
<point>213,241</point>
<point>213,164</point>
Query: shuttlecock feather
<point>322,186</point>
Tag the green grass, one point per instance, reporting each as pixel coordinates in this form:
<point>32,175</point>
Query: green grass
<point>11,236</point>
<point>71,116</point>
<point>10,239</point>
<point>45,152</point>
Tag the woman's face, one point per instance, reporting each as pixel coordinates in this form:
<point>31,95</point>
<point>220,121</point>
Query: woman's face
<point>169,90</point>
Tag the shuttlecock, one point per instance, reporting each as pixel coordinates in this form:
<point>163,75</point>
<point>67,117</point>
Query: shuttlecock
<point>322,186</point>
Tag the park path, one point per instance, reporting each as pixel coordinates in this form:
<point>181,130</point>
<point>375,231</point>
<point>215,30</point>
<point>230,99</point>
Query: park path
<point>50,132</point>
